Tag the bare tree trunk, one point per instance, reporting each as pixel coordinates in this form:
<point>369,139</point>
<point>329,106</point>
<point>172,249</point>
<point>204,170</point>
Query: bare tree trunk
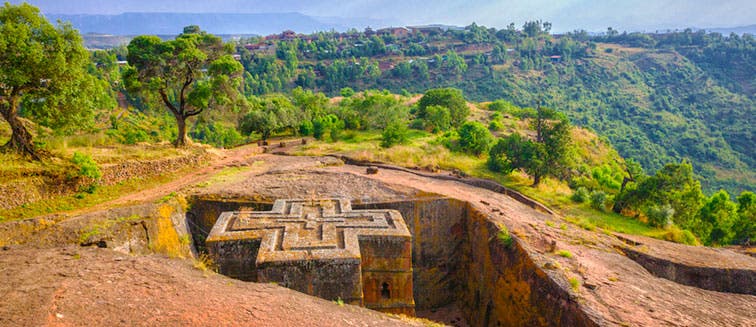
<point>181,137</point>
<point>536,180</point>
<point>21,140</point>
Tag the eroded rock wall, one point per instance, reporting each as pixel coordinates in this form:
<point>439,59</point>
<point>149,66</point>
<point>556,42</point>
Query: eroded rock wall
<point>502,285</point>
<point>741,281</point>
<point>138,229</point>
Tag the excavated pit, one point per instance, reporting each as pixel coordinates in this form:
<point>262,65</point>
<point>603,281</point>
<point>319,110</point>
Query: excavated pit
<point>462,274</point>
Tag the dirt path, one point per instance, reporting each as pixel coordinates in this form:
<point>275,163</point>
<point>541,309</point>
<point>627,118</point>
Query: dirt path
<point>236,157</point>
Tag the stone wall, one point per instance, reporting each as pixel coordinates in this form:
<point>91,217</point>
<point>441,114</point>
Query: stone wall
<point>115,173</point>
<point>30,189</point>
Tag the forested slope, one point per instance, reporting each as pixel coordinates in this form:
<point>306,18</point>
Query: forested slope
<point>657,97</point>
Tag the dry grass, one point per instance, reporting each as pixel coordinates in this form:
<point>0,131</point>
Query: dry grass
<point>416,320</point>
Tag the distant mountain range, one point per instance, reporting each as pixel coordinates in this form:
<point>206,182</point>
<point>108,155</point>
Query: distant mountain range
<point>216,23</point>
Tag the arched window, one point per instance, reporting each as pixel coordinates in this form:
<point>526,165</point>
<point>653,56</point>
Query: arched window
<point>385,291</point>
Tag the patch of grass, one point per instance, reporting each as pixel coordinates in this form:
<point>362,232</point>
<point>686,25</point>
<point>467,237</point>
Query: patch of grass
<point>184,240</point>
<point>416,320</point>
<point>227,174</point>
<point>575,283</point>
<point>550,223</point>
<point>204,263</point>
<point>90,233</point>
<point>564,253</point>
<point>503,235</point>
<point>339,301</point>
<point>581,222</point>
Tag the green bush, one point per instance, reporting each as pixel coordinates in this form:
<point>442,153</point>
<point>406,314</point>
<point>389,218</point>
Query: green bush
<point>437,119</point>
<point>580,195</point>
<point>87,168</point>
<point>683,236</point>
<point>318,129</point>
<point>394,133</point>
<point>347,92</point>
<point>447,97</point>
<point>660,216</point>
<point>598,200</point>
<point>217,135</point>
<point>329,125</point>
<point>306,128</point>
<point>495,125</point>
<point>475,138</point>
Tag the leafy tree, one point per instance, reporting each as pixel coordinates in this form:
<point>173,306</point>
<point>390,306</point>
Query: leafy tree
<point>42,70</point>
<point>517,152</point>
<point>347,92</point>
<point>445,97</point>
<point>745,227</point>
<point>188,74</point>
<point>395,133</point>
<point>454,63</point>
<point>437,119</point>
<point>718,216</point>
<point>548,154</point>
<point>329,125</point>
<point>673,185</point>
<point>375,110</point>
<point>475,138</point>
<point>660,216</point>
<point>269,115</point>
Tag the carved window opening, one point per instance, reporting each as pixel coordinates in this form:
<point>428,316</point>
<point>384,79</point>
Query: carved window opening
<point>385,291</point>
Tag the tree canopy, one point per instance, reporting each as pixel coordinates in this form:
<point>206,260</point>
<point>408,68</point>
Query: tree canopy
<point>42,75</point>
<point>445,97</point>
<point>189,74</point>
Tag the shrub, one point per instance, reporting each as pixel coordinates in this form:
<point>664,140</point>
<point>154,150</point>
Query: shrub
<point>347,92</point>
<point>683,236</point>
<point>660,216</point>
<point>495,125</point>
<point>134,136</point>
<point>449,98</point>
<point>318,129</point>
<point>580,195</point>
<point>87,168</point>
<point>598,200</point>
<point>217,135</point>
<point>564,253</point>
<point>499,105</point>
<point>474,138</point>
<point>437,119</point>
<point>394,133</point>
<point>306,128</point>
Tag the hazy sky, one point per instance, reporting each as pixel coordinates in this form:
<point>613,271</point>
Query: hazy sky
<point>566,15</point>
